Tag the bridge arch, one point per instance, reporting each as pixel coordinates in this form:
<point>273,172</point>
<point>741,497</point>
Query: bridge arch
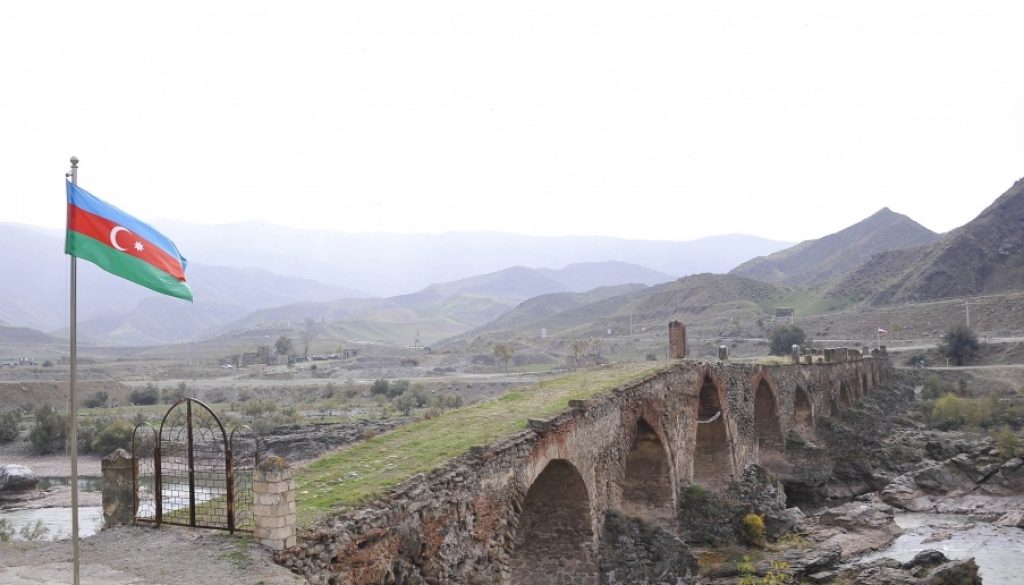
<point>554,538</point>
<point>803,412</point>
<point>864,387</point>
<point>712,451</point>
<point>647,486</point>
<point>767,428</point>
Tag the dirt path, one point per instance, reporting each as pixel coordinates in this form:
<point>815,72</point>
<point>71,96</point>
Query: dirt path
<point>132,555</point>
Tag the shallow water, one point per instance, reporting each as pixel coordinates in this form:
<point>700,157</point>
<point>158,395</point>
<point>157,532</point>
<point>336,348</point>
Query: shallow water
<point>56,520</point>
<point>998,550</point>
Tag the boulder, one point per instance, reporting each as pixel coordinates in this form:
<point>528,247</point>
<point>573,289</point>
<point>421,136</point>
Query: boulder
<point>856,528</point>
<point>1014,518</point>
<point>17,478</point>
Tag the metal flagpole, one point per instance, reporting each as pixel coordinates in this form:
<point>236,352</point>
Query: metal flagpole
<point>73,408</point>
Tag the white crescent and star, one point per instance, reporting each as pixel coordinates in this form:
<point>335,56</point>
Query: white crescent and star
<point>113,240</point>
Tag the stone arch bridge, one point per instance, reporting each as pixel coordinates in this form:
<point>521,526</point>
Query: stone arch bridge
<point>530,510</point>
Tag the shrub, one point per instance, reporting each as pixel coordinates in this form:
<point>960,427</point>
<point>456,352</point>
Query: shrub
<point>397,388</point>
<point>784,337</point>
<point>951,411</point>
<point>405,402</point>
<point>50,430</point>
<point>144,396</point>
<point>380,386</point>
<point>10,423</point>
<point>179,392</point>
<point>112,434</point>
<point>97,399</point>
<point>1007,443</point>
<point>752,529</point>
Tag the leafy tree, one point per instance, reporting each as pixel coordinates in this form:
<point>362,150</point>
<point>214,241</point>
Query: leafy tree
<point>50,430</point>
<point>960,344</point>
<point>503,352</point>
<point>284,345</point>
<point>785,337</point>
<point>10,421</point>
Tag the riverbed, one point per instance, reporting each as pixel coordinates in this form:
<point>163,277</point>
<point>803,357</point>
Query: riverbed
<point>996,549</point>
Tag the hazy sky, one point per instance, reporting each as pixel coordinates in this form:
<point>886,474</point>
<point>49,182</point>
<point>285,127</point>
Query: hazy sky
<point>660,120</point>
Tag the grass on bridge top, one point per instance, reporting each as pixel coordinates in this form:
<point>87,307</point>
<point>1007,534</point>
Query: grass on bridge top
<point>360,472</point>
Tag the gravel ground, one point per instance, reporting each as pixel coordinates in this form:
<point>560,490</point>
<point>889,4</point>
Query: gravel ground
<point>147,556</point>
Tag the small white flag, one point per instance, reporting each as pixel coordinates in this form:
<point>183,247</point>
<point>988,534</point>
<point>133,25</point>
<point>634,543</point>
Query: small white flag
<point>880,330</point>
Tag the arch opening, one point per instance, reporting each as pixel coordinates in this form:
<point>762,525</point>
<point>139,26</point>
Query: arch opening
<point>766,421</point>
<point>554,541</point>
<point>712,464</point>
<point>833,407</point>
<point>647,485</point>
<point>864,384</point>
<point>803,412</point>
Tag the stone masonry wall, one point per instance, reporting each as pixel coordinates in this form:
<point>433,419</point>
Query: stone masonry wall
<point>461,523</point>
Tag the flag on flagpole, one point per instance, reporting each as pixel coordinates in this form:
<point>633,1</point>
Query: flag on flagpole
<point>880,330</point>
<point>123,245</point>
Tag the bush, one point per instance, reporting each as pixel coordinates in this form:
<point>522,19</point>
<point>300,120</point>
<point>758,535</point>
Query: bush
<point>959,344</point>
<point>951,411</point>
<point>753,529</point>
<point>380,386</point>
<point>1007,443</point>
<point>397,388</point>
<point>10,423</point>
<point>173,395</point>
<point>97,399</point>
<point>784,337</point>
<point>145,396</point>
<point>50,430</point>
<point>112,434</point>
<point>405,402</point>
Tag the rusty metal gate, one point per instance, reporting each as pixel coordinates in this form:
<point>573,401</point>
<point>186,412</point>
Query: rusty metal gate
<point>190,472</point>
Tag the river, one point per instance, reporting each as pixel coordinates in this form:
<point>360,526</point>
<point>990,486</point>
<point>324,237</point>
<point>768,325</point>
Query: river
<point>997,549</point>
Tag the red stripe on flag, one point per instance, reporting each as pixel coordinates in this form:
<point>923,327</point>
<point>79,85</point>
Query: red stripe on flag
<point>102,230</point>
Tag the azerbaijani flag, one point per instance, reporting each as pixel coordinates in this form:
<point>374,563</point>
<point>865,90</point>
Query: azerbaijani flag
<point>122,245</point>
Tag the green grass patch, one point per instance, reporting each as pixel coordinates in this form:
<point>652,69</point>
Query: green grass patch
<point>365,470</point>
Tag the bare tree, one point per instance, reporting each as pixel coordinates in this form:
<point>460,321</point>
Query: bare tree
<point>307,336</point>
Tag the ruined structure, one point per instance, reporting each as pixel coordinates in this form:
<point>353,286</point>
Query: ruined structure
<point>532,509</point>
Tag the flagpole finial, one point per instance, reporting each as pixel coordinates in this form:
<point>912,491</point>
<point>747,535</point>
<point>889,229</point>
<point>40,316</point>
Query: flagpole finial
<point>74,161</point>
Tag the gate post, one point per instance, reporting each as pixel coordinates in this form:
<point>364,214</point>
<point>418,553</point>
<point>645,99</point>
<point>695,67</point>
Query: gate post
<point>273,506</point>
<point>118,489</point>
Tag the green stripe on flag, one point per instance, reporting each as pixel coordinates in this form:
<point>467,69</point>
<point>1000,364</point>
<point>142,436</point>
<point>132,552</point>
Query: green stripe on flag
<point>127,267</point>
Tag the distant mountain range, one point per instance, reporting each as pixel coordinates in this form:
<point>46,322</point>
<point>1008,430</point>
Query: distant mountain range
<point>446,309</point>
<point>393,264</point>
<point>34,281</point>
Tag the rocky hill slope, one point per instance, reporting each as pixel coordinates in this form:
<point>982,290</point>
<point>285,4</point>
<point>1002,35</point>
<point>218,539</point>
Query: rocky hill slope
<point>985,256</point>
<point>816,261</point>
